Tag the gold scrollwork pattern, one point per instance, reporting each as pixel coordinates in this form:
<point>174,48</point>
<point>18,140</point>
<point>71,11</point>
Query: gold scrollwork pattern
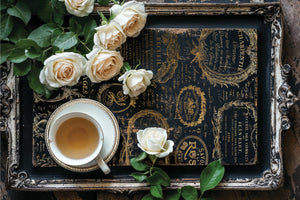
<point>167,69</point>
<point>241,73</point>
<point>111,95</point>
<point>191,106</point>
<point>219,118</point>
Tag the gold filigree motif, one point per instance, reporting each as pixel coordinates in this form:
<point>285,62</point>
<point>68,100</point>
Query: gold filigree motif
<point>68,93</point>
<point>219,118</point>
<point>191,106</point>
<point>191,150</point>
<point>200,51</point>
<point>166,71</point>
<point>141,120</point>
<point>111,95</point>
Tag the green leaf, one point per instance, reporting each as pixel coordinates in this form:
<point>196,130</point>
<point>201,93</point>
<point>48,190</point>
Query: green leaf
<point>103,2</point>
<point>148,197</point>
<point>142,156</point>
<point>5,51</point>
<point>6,27</point>
<point>152,158</point>
<point>18,32</point>
<point>165,179</point>
<point>75,24</point>
<point>89,30</point>
<point>156,191</point>
<point>35,84</point>
<point>17,56</point>
<point>138,165</point>
<point>32,53</point>
<point>174,195</point>
<point>22,69</point>
<point>138,176</point>
<point>20,10</point>
<point>66,40</point>
<point>55,34</point>
<point>211,175</point>
<point>189,193</point>
<point>26,44</point>
<point>42,35</point>
<point>154,179</point>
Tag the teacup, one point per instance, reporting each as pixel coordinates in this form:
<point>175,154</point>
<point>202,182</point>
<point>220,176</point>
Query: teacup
<point>76,139</point>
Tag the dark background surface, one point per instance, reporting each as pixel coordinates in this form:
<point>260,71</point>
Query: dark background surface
<point>291,138</point>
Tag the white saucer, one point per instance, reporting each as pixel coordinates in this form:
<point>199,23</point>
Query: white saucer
<point>107,121</point>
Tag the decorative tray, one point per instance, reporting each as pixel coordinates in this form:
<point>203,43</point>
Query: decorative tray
<point>218,88</point>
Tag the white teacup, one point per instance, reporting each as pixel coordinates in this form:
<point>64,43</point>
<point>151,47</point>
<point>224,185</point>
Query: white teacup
<point>76,139</point>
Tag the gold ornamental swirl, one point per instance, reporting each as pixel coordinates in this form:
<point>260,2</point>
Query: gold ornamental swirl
<point>167,69</point>
<point>218,119</point>
<point>200,51</point>
<point>191,106</point>
<point>112,96</point>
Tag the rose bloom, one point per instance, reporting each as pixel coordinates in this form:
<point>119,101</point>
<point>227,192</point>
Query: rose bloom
<point>63,69</point>
<point>103,64</point>
<point>154,142</point>
<point>135,82</point>
<point>109,36</point>
<point>79,8</point>
<point>131,16</point>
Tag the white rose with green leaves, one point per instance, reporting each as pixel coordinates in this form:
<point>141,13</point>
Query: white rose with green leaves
<point>131,16</point>
<point>103,64</point>
<point>79,8</point>
<point>109,36</point>
<point>62,69</point>
<point>136,82</point>
<point>154,142</point>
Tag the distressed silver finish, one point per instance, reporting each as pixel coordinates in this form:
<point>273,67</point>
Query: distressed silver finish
<point>282,99</point>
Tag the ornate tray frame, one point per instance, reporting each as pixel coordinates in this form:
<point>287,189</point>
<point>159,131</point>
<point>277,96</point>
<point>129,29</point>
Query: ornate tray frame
<point>281,99</point>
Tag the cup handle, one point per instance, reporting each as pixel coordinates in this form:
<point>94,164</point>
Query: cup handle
<point>103,166</point>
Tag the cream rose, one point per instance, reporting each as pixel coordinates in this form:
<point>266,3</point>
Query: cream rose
<point>63,69</point>
<point>109,36</point>
<point>79,8</point>
<point>131,16</point>
<point>135,82</point>
<point>103,64</point>
<point>154,142</point>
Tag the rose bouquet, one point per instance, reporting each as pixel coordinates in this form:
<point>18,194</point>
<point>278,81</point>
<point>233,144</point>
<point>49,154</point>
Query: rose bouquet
<point>58,52</point>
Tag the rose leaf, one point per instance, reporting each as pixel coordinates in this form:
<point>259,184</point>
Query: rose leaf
<point>20,10</point>
<point>17,56</point>
<point>211,176</point>
<point>174,195</point>
<point>35,84</point>
<point>6,48</point>
<point>138,165</point>
<point>42,35</point>
<point>22,69</point>
<point>6,23</point>
<point>66,40</point>
<point>189,193</point>
<point>156,191</point>
<point>149,197</point>
<point>138,176</point>
<point>165,179</point>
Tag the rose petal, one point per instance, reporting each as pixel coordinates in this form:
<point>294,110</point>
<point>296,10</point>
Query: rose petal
<point>169,148</point>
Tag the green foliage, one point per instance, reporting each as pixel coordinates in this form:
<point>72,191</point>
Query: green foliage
<point>139,165</point>
<point>20,10</point>
<point>156,191</point>
<point>6,25</point>
<point>174,195</point>
<point>138,176</point>
<point>5,50</point>
<point>211,176</point>
<point>22,69</point>
<point>189,193</point>
<point>66,40</point>
<point>149,197</point>
<point>35,84</point>
<point>43,34</point>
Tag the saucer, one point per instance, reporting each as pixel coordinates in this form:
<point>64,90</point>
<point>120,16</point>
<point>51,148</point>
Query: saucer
<point>105,118</point>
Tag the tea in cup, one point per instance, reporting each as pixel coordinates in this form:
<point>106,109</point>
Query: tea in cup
<point>76,139</point>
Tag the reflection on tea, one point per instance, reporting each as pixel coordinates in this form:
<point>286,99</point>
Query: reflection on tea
<point>77,138</point>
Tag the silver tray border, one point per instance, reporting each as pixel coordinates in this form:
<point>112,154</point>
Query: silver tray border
<point>281,99</point>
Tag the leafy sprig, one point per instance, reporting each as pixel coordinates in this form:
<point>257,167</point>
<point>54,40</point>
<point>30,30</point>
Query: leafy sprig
<point>157,178</point>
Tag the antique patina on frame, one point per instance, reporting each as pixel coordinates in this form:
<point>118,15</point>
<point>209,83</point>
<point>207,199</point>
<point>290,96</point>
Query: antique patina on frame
<point>281,98</point>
